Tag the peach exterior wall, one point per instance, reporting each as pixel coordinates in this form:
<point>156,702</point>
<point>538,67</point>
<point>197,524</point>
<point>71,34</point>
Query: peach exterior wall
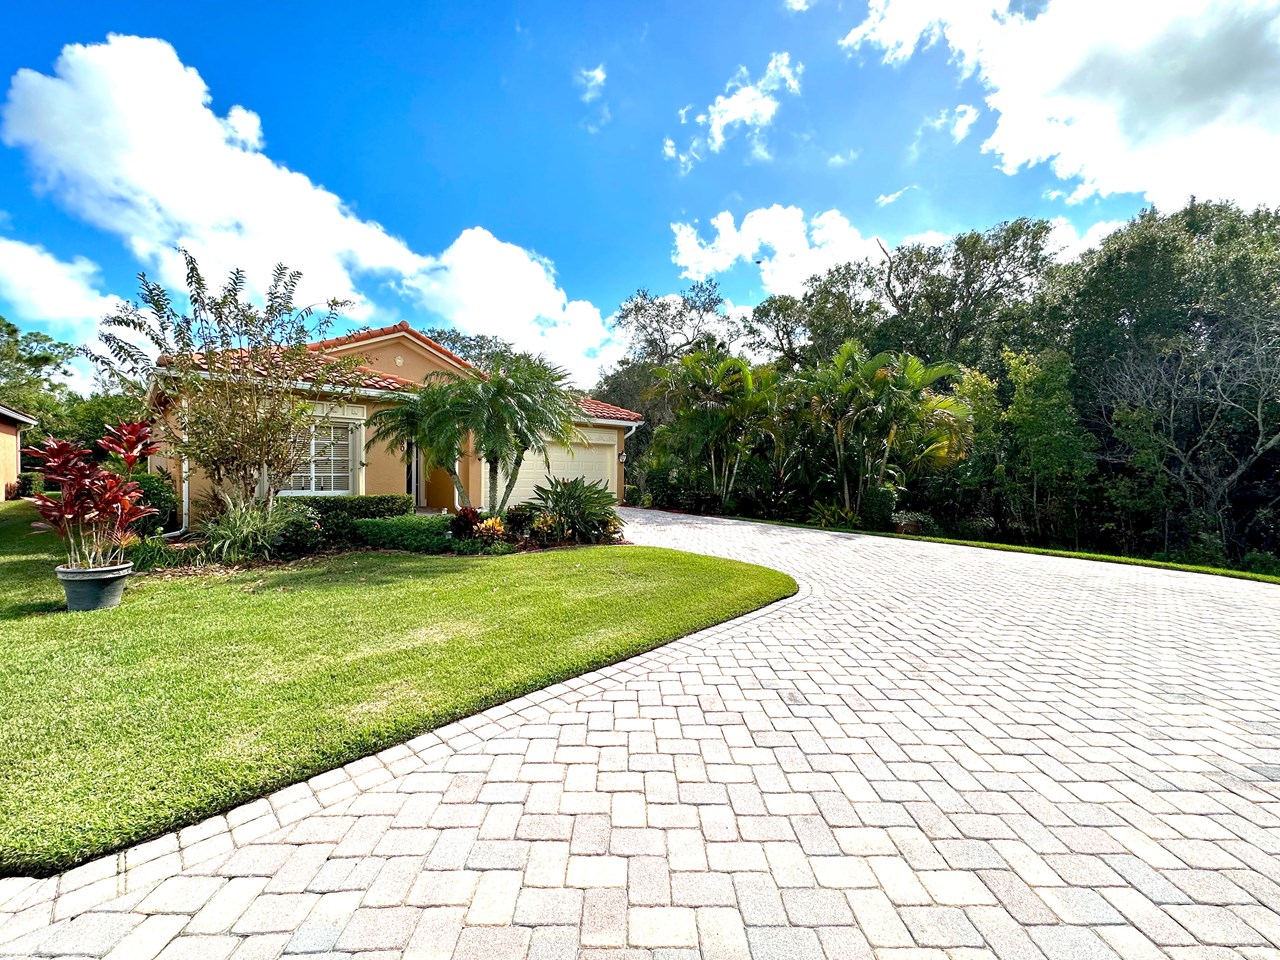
<point>9,456</point>
<point>384,470</point>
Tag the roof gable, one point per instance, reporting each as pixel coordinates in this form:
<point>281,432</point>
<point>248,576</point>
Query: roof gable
<point>403,332</point>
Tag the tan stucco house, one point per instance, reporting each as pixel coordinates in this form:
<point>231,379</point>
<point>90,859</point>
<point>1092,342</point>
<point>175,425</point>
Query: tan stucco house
<point>398,358</point>
<point>12,423</point>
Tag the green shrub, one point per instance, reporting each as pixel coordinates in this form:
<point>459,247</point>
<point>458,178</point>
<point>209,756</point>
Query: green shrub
<point>583,512</point>
<point>338,515</point>
<point>831,515</point>
<point>646,500</point>
<point>630,494</point>
<point>519,518</point>
<point>499,549</point>
<point>1202,550</point>
<point>464,523</point>
<point>300,532</point>
<point>904,518</point>
<point>414,533</point>
<point>242,532</point>
<point>469,548</point>
<point>30,483</point>
<point>878,503</point>
<point>1259,561</point>
<point>157,553</point>
<point>158,492</point>
<point>662,489</point>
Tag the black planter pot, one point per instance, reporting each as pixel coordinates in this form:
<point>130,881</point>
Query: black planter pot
<point>94,589</point>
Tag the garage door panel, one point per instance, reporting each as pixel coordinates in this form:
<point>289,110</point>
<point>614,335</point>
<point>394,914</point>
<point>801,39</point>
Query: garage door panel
<point>594,461</point>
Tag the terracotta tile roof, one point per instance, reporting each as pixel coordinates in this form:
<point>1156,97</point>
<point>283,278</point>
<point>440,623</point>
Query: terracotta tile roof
<point>607,411</point>
<point>366,378</point>
<point>373,379</point>
<point>402,327</point>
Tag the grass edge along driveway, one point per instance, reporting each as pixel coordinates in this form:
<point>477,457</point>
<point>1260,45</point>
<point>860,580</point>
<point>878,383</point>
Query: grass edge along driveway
<point>201,693</point>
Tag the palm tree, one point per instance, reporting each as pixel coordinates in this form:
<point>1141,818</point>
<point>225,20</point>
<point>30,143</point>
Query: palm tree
<point>720,404</point>
<point>518,408</point>
<point>846,402</point>
<point>429,421</point>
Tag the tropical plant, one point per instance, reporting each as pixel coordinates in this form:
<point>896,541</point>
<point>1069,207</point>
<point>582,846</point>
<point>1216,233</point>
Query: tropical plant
<point>578,510</point>
<point>518,518</point>
<point>521,406</point>
<point>430,421</point>
<point>829,515</point>
<point>720,405</point>
<point>94,508</point>
<point>243,530</point>
<point>490,530</point>
<point>463,523</point>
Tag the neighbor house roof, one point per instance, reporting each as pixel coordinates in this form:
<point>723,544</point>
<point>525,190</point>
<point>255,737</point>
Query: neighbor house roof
<point>21,419</point>
<point>607,411</point>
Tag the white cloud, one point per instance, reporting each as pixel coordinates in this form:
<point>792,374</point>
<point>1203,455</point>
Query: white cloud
<point>799,248</point>
<point>669,148</point>
<point>842,159</point>
<point>591,82</point>
<point>123,136</point>
<point>1164,99</point>
<point>962,120</point>
<point>797,6</point>
<point>485,285</point>
<point>1069,243</point>
<point>744,104</point>
<point>63,296</point>
<point>887,198</point>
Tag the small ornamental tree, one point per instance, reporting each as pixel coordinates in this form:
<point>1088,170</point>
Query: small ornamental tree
<point>94,507</point>
<point>236,389</point>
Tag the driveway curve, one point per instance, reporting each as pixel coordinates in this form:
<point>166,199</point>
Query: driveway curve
<point>929,752</point>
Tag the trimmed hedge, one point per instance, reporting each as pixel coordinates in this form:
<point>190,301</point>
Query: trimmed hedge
<point>30,483</point>
<point>338,515</point>
<point>158,492</point>
<point>415,533</point>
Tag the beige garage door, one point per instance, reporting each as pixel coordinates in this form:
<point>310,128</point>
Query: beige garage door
<point>597,459</point>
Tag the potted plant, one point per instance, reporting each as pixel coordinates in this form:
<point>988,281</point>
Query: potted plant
<point>91,508</point>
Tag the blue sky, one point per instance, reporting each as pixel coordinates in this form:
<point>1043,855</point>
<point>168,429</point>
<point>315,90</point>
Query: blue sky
<point>521,168</point>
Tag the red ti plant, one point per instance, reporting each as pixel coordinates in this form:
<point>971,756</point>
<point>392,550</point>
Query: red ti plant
<point>94,507</point>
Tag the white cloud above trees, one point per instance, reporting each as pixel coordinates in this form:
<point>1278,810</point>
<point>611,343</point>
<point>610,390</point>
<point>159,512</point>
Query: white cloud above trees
<point>1162,99</point>
<point>786,246</point>
<point>747,105</point>
<point>89,130</point>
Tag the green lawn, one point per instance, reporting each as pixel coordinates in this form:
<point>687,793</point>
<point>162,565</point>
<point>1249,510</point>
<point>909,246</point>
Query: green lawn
<point>201,693</point>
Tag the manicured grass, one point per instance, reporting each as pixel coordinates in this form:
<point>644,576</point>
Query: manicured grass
<point>1042,551</point>
<point>200,693</point>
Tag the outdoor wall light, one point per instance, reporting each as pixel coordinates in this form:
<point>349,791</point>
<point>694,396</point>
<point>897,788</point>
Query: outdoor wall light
<point>622,457</point>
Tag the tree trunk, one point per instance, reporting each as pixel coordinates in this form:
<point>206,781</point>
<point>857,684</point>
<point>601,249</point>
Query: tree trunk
<point>493,486</point>
<point>463,498</point>
<point>511,481</point>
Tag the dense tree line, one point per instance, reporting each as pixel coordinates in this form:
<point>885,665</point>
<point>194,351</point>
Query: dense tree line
<point>1127,400</point>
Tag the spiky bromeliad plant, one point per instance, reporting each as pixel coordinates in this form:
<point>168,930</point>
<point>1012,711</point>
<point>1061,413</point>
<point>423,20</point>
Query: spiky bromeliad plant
<point>93,507</point>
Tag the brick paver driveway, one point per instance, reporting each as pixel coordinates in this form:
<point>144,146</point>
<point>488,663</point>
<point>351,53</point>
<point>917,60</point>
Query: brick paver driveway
<point>930,752</point>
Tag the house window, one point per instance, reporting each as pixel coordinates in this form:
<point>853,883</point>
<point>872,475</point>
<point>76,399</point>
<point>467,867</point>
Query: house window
<point>330,461</point>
